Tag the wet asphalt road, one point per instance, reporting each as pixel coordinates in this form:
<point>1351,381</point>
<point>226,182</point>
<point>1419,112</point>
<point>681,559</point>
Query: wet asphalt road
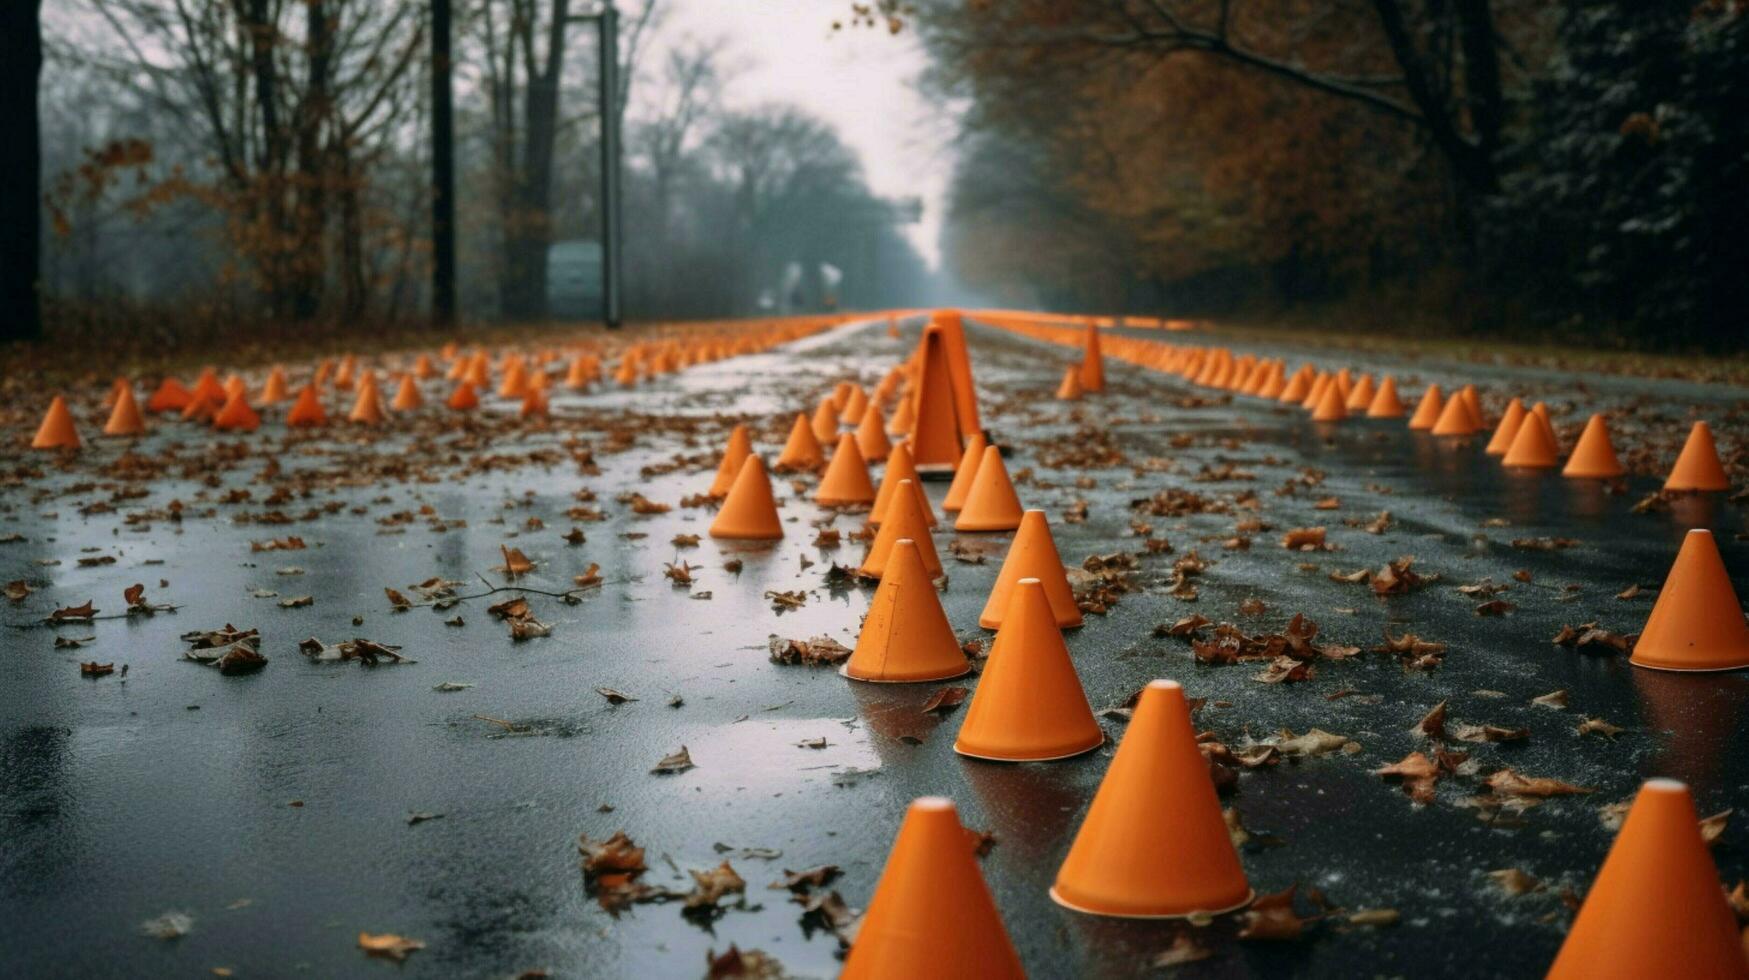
<point>172,789</point>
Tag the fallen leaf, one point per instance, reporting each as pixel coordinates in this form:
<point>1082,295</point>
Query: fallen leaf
<point>1514,882</point>
<point>388,945</point>
<point>677,762</point>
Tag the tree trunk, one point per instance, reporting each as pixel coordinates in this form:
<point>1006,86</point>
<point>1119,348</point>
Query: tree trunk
<point>530,234</point>
<point>442,168</point>
<point>21,162</point>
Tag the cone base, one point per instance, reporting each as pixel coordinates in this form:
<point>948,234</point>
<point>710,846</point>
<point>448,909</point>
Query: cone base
<point>1587,474</point>
<point>982,527</point>
<point>845,673</point>
<point>736,535</point>
<point>1250,896</point>
<point>992,624</point>
<point>1674,669</point>
<point>1027,758</point>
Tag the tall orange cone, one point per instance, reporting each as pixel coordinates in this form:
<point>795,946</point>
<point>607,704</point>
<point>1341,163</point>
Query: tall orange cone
<point>899,468</point>
<point>1427,409</point>
<point>171,396</point>
<point>1697,623</point>
<point>802,451</point>
<point>1029,706</point>
<point>906,637</point>
<point>367,407</point>
<point>1656,908</point>
<point>950,326</point>
<point>1507,430</point>
<point>464,397</point>
<point>407,397</point>
<point>846,481</point>
<point>1331,406</point>
<point>57,430</point>
<point>1154,844</point>
<point>750,511</point>
<point>236,414</point>
<point>904,520</point>
<point>1070,389</point>
<point>734,454</point>
<point>1455,418</point>
<point>936,445</point>
<point>1698,466</point>
<point>931,914</point>
<point>1092,361</point>
<point>991,503</point>
<point>1593,455</point>
<point>871,434</point>
<point>826,422</point>
<point>125,418</point>
<point>1534,445</point>
<point>307,410</point>
<point>964,474</point>
<point>1386,404</point>
<point>1032,555</point>
<point>274,390</point>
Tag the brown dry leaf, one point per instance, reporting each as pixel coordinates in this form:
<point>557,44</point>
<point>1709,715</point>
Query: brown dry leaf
<point>815,877</point>
<point>574,536</point>
<point>1713,827</point>
<point>1397,578</point>
<point>1380,524</point>
<point>1315,742</point>
<point>615,855</point>
<point>1544,544</point>
<point>1184,627</point>
<point>738,964</point>
<point>1357,577</point>
<point>278,544</point>
<point>1253,607</point>
<point>1328,503</point>
<point>1495,607</point>
<point>516,608</point>
<point>613,696</point>
<point>515,562</point>
<point>1514,882</point>
<point>95,669</point>
<point>945,699</point>
<point>134,595</point>
<point>816,651</point>
<point>1631,592</point>
<point>1304,539</point>
<point>1374,917</point>
<point>1272,917</point>
<point>1184,949</point>
<point>17,590</point>
<point>527,628</point>
<point>297,602</point>
<point>590,577</point>
<point>1508,782</point>
<point>680,574</point>
<point>1554,699</point>
<point>710,887</point>
<point>677,762</point>
<point>643,505</point>
<point>1432,724</point>
<point>685,541</point>
<point>1489,733</point>
<point>388,945</point>
<point>1599,727</point>
<point>74,614</point>
<point>781,601</point>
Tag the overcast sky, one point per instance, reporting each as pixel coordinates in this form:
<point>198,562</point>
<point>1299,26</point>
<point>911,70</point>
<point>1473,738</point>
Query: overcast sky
<point>861,80</point>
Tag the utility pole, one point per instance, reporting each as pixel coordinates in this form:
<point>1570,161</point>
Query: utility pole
<point>442,168</point>
<point>606,20</point>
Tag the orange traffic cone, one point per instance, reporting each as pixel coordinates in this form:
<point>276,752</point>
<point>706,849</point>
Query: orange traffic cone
<point>235,385</point>
<point>57,430</point>
<point>407,397</point>
<point>1070,389</point>
<point>1154,844</point>
<point>935,438</point>
<point>125,418</point>
<point>171,396</point>
<point>899,468</point>
<point>1455,419</point>
<point>274,390</point>
<point>1698,466</point>
<point>904,520</point>
<point>1697,623</point>
<point>1593,455</point>
<point>1331,406</point>
<point>1315,394</point>
<point>906,637</point>
<point>1361,396</point>
<point>343,377</point>
<point>464,397</point>
<point>904,418</point>
<point>1092,361</point>
<point>1029,706</point>
<point>846,481</point>
<point>581,372</point>
<point>515,383</point>
<point>208,388</point>
<point>991,503</point>
<point>368,406</point>
<point>534,402</point>
<point>826,422</point>
<point>1656,908</point>
<point>1298,386</point>
<point>855,403</point>
<point>1427,409</point>
<point>802,451</point>
<point>750,511</point>
<point>307,410</point>
<point>931,914</point>
<point>236,414</point>
<point>841,394</point>
<point>1386,404</point>
<point>951,328</point>
<point>729,470</point>
<point>964,473</point>
<point>202,408</point>
<point>871,434</point>
<point>1507,430</point>
<point>1032,555</point>
<point>1534,445</point>
<point>1473,400</point>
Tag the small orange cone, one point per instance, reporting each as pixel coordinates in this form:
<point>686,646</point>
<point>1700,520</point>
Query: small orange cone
<point>407,397</point>
<point>1070,389</point>
<point>906,637</point>
<point>904,418</point>
<point>236,414</point>
<point>208,388</point>
<point>846,481</point>
<point>1698,466</point>
<point>855,403</point>
<point>750,511</point>
<point>734,454</point>
<point>1594,455</point>
<point>1154,844</point>
<point>1656,908</point>
<point>1386,404</point>
<point>1427,409</point>
<point>202,408</point>
<point>1092,361</point>
<point>840,395</point>
<point>1361,396</point>
<point>235,385</point>
<point>1298,386</point>
<point>871,434</point>
<point>964,473</point>
<point>57,430</point>
<point>125,418</point>
<point>931,914</point>
<point>1032,555</point>
<point>307,410</point>
<point>515,383</point>
<point>1534,445</point>
<point>899,467</point>
<point>580,373</point>
<point>1315,394</point>
<point>534,403</point>
<point>422,368</point>
<point>1029,706</point>
<point>1474,402</point>
<point>274,390</point>
<point>991,503</point>
<point>343,377</point>
<point>904,520</point>
<point>1507,430</point>
<point>171,396</point>
<point>1697,623</point>
<point>826,422</point>
<point>464,397</point>
<point>936,443</point>
<point>1454,418</point>
<point>368,406</point>
<point>802,451</point>
<point>1330,407</point>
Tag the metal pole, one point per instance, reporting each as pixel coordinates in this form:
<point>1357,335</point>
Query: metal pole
<point>608,25</point>
<point>442,168</point>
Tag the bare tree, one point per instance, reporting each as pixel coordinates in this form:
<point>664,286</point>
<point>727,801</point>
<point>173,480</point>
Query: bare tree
<point>21,59</point>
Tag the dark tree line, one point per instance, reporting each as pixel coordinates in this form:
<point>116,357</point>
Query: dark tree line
<point>21,161</point>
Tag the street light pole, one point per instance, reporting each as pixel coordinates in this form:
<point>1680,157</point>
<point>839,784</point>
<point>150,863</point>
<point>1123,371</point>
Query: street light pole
<point>442,168</point>
<point>607,26</point>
